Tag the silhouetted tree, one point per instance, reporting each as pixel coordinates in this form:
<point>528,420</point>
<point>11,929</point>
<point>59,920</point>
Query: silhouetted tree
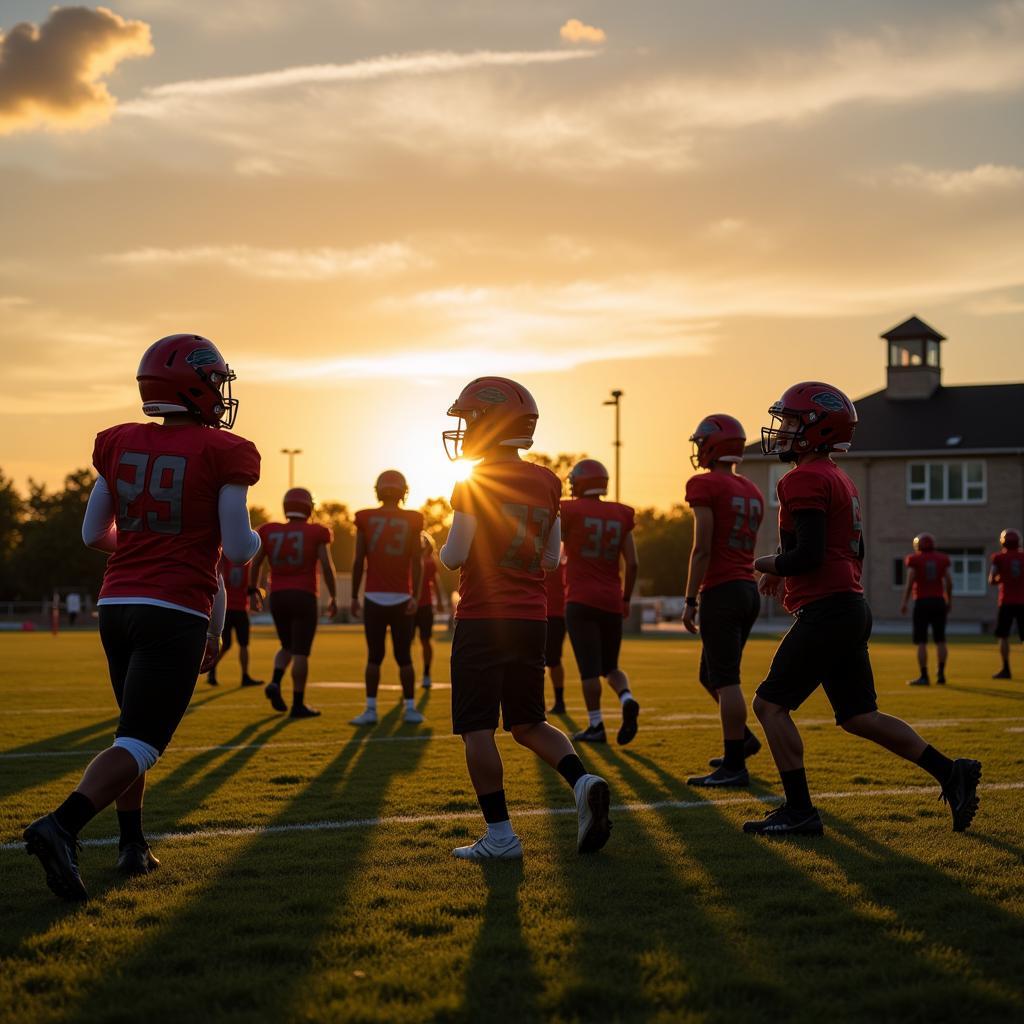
<point>663,542</point>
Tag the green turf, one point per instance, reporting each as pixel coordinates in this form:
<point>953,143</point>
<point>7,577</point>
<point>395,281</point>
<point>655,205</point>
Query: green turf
<point>890,916</point>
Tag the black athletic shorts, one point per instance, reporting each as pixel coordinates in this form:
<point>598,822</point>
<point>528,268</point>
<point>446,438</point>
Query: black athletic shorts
<point>497,663</point>
<point>425,621</point>
<point>727,614</point>
<point>930,611</point>
<point>154,656</point>
<point>236,622</point>
<point>555,641</point>
<point>827,645</point>
<point>295,615</point>
<point>376,620</point>
<point>596,636</point>
<point>1008,614</point>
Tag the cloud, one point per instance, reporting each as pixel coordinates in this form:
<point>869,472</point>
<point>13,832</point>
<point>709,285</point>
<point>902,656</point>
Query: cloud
<point>983,178</point>
<point>50,75</point>
<point>575,31</point>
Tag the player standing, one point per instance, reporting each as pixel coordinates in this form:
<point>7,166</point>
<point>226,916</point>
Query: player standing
<point>1008,572</point>
<point>236,619</point>
<point>388,543</point>
<point>431,599</point>
<point>819,571</point>
<point>931,583</point>
<point>727,513</point>
<point>167,496</point>
<point>293,549</point>
<point>597,534</point>
<point>555,586</point>
<point>504,537</point>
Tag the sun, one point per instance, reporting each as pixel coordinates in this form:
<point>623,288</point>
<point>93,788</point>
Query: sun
<point>462,470</point>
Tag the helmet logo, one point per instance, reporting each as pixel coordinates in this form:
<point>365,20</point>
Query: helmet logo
<point>201,357</point>
<point>493,396</point>
<point>705,427</point>
<point>828,400</point>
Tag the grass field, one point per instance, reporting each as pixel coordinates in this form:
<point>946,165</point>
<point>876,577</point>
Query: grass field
<point>307,873</point>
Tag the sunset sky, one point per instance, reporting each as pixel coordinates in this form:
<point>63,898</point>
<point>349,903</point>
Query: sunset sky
<point>365,203</point>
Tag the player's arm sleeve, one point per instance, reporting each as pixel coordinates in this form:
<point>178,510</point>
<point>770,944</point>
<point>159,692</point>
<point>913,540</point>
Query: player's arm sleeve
<point>460,540</point>
<point>98,529</point>
<point>240,542</point>
<point>220,605</point>
<point>809,552</point>
<point>553,549</point>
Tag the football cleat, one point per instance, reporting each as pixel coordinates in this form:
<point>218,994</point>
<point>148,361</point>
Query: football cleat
<point>961,792</point>
<point>787,821</point>
<point>721,776</point>
<point>558,708</point>
<point>592,734</point>
<point>592,802</point>
<point>304,711</point>
<point>940,679</point>
<point>1003,673</point>
<point>412,717</point>
<point>919,681</point>
<point>427,683</point>
<point>272,691</point>
<point>249,681</point>
<point>136,859</point>
<point>489,848</point>
<point>630,713</point>
<point>211,679</point>
<point>368,717</point>
<point>751,745</point>
<point>58,853</point>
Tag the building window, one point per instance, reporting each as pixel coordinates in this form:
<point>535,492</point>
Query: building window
<point>968,569</point>
<point>899,572</point>
<point>776,471</point>
<point>946,483</point>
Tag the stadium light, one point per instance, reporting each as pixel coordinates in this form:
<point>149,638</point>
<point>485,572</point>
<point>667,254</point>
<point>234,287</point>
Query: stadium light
<point>617,443</point>
<point>291,453</point>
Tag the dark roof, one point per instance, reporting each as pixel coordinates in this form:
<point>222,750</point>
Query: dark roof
<point>913,329</point>
<point>983,416</point>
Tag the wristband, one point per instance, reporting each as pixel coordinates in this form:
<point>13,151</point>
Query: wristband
<point>253,590</point>
<point>213,636</point>
<point>691,602</point>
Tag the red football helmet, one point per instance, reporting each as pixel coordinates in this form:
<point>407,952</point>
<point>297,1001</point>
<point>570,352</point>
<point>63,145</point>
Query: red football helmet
<point>186,373</point>
<point>298,503</point>
<point>825,422</point>
<point>718,438</point>
<point>391,484</point>
<point>588,477</point>
<point>497,412</point>
<point>1010,539</point>
<point>924,542</point>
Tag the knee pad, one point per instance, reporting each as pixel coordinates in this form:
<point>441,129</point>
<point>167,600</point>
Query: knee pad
<point>145,755</point>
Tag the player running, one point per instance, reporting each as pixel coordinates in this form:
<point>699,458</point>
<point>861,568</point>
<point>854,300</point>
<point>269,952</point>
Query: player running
<point>236,619</point>
<point>727,513</point>
<point>431,600</point>
<point>931,583</point>
<point>504,537</point>
<point>555,585</point>
<point>293,549</point>
<point>1008,572</point>
<point>167,497</point>
<point>388,540</point>
<point>818,569</point>
<point>597,534</point>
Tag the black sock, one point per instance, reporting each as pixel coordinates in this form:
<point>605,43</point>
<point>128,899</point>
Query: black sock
<point>748,735</point>
<point>75,813</point>
<point>942,669</point>
<point>275,679</point>
<point>130,823</point>
<point>571,769</point>
<point>794,782</point>
<point>734,759</point>
<point>559,694</point>
<point>937,765</point>
<point>494,807</point>
<point>1006,664</point>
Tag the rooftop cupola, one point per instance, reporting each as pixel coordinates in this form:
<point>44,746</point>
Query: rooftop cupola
<point>914,369</point>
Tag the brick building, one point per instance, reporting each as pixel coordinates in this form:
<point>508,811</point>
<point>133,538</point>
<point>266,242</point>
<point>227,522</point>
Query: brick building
<point>946,460</point>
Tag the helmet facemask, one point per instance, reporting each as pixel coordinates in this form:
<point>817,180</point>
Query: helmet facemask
<point>785,435</point>
<point>228,405</point>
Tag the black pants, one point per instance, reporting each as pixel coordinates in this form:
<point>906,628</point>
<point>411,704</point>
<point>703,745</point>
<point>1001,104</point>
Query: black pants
<point>596,636</point>
<point>930,611</point>
<point>295,617</point>
<point>727,614</point>
<point>377,619</point>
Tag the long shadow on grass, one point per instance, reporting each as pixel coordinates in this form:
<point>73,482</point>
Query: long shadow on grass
<point>986,691</point>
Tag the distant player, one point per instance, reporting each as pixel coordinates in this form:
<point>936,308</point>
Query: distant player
<point>431,600</point>
<point>293,550</point>
<point>931,583</point>
<point>727,513</point>
<point>597,536</point>
<point>1008,572</point>
<point>236,620</point>
<point>555,585</point>
<point>167,497</point>
<point>818,571</point>
<point>504,537</point>
<point>388,540</point>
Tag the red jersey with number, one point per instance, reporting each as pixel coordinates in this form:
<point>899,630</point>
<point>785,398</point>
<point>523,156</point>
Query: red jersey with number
<point>821,486</point>
<point>293,552</point>
<point>515,505</point>
<point>593,532</point>
<point>930,568</point>
<point>166,482</point>
<point>1010,567</point>
<point>555,584</point>
<point>428,582</point>
<point>236,584</point>
<point>737,508</point>
<point>392,539</point>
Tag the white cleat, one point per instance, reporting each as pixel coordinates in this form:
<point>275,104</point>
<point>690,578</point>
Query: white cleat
<point>368,717</point>
<point>592,802</point>
<point>488,848</point>
<point>427,683</point>
<point>413,717</point>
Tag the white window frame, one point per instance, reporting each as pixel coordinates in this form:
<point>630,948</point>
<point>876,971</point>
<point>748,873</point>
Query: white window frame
<point>945,464</point>
<point>962,576</point>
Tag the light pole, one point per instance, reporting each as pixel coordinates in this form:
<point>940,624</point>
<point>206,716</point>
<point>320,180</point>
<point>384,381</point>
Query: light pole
<point>291,453</point>
<point>616,395</point>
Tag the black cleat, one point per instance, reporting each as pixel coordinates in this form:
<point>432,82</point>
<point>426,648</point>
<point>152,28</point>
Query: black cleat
<point>1003,673</point>
<point>592,734</point>
<point>58,853</point>
<point>272,691</point>
<point>786,821</point>
<point>304,711</point>
<point>721,776</point>
<point>249,681</point>
<point>136,859</point>
<point>940,680</point>
<point>630,713</point>
<point>961,792</point>
<point>593,801</point>
<point>919,681</point>
<point>211,678</point>
<point>750,747</point>
<point>558,708</point>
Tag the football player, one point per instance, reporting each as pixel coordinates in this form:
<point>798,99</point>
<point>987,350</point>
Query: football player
<point>818,571</point>
<point>1008,572</point>
<point>597,535</point>
<point>504,537</point>
<point>293,550</point>
<point>388,540</point>
<point>727,513</point>
<point>931,583</point>
<point>167,497</point>
<point>555,584</point>
<point>431,599</point>
<point>236,619</point>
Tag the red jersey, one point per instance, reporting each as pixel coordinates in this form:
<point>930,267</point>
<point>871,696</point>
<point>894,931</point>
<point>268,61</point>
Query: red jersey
<point>515,504</point>
<point>738,508</point>
<point>236,584</point>
<point>1010,567</point>
<point>822,486</point>
<point>292,549</point>
<point>593,532</point>
<point>392,539</point>
<point>555,584</point>
<point>930,568</point>
<point>166,483</point>
<point>428,582</point>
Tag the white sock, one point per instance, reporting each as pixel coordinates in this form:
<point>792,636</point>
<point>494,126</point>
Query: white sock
<point>371,703</point>
<point>595,717</point>
<point>410,703</point>
<point>500,829</point>
<point>624,696</point>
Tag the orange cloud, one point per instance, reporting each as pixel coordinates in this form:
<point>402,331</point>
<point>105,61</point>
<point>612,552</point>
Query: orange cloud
<point>50,74</point>
<point>575,31</point>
